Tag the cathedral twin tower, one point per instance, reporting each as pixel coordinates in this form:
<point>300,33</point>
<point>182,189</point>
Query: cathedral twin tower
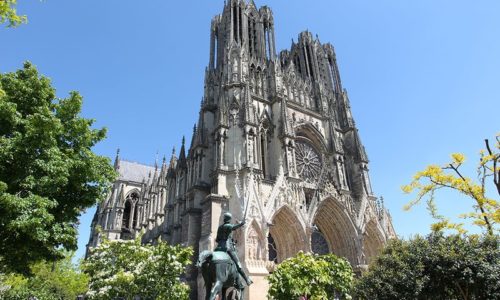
<point>276,138</point>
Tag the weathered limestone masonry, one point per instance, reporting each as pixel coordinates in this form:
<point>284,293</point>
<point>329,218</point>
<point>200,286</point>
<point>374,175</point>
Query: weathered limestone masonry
<point>274,131</point>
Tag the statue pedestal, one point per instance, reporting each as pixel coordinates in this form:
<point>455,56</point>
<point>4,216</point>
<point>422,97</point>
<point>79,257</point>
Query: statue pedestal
<point>258,290</point>
<point>258,272</point>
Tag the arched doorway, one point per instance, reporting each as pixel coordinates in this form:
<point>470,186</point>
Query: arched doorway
<point>286,235</point>
<point>337,229</point>
<point>373,241</point>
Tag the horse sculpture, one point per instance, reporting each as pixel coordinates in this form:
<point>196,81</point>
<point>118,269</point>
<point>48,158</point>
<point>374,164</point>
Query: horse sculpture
<point>219,273</point>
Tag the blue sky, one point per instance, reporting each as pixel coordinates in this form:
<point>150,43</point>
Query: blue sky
<point>423,76</point>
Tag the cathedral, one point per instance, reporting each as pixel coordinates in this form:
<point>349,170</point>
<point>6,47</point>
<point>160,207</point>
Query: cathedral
<point>275,144</point>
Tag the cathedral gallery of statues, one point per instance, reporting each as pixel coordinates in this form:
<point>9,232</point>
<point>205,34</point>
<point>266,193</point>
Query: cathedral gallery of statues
<point>275,136</point>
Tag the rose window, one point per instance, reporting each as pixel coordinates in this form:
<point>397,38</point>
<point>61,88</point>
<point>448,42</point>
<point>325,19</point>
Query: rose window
<point>308,161</point>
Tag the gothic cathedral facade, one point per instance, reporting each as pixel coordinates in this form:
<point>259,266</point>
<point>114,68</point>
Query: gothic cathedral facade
<point>275,143</point>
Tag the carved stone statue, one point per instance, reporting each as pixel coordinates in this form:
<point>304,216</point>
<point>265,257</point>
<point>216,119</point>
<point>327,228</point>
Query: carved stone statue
<point>253,243</point>
<point>250,149</point>
<point>259,84</point>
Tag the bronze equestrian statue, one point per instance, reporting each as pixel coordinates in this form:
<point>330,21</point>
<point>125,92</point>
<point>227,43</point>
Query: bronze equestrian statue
<point>221,269</point>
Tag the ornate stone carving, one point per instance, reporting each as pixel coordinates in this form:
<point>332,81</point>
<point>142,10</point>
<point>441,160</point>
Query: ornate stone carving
<point>254,245</point>
<point>330,189</point>
<point>254,212</point>
<point>250,150</point>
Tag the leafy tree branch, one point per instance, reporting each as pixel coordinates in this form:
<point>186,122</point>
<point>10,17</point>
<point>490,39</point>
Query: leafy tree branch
<point>8,14</point>
<point>486,209</point>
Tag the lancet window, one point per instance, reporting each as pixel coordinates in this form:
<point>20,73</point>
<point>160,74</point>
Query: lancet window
<point>126,215</point>
<point>252,36</point>
<point>237,28</point>
<point>268,39</point>
<point>129,218</point>
<point>263,149</point>
<point>310,61</point>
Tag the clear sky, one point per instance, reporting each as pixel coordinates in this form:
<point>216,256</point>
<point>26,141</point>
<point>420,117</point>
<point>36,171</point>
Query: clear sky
<point>423,76</point>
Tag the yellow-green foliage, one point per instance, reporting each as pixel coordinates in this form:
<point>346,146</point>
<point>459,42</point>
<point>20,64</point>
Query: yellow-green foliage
<point>9,14</point>
<point>486,211</point>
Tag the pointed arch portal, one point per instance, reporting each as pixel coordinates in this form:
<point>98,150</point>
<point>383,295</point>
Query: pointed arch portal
<point>286,235</point>
<point>337,229</point>
<point>373,242</point>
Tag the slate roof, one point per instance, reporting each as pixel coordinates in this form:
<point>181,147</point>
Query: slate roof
<point>133,171</point>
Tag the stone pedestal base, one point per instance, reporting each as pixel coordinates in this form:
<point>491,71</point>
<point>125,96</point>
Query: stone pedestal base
<point>258,272</point>
<point>258,290</point>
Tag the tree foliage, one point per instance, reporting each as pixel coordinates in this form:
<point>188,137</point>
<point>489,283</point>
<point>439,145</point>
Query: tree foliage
<point>125,269</point>
<point>59,280</point>
<point>490,162</point>
<point>48,172</point>
<point>486,209</point>
<point>312,277</point>
<point>436,267</point>
<point>8,13</point>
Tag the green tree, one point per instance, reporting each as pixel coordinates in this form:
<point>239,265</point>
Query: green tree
<point>437,267</point>
<point>312,277</point>
<point>49,281</point>
<point>8,13</point>
<point>486,210</point>
<point>48,172</point>
<point>125,269</point>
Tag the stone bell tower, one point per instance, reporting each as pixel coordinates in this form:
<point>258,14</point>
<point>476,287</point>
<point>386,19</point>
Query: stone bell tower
<point>275,138</point>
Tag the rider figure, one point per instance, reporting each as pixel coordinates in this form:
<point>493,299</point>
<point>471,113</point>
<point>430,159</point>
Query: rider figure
<point>225,243</point>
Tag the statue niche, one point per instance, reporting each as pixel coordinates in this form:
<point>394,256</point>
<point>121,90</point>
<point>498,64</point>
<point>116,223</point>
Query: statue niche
<point>254,244</point>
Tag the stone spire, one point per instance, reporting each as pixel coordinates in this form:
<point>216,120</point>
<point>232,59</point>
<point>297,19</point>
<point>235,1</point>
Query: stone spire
<point>154,181</point>
<point>172,164</point>
<point>182,155</point>
<point>194,138</point>
<point>117,160</point>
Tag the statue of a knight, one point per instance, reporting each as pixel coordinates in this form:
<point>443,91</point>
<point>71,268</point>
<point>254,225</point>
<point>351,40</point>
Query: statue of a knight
<point>225,243</point>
